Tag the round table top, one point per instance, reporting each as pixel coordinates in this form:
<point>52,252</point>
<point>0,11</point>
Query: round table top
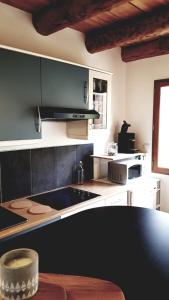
<point>126,245</point>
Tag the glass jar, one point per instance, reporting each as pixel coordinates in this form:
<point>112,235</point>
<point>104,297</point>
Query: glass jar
<point>112,149</point>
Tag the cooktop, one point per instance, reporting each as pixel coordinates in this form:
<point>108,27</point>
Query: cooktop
<point>63,198</point>
<point>9,218</point>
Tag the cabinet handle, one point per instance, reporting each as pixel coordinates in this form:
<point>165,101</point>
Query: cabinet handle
<point>86,92</point>
<point>0,186</point>
<point>38,122</point>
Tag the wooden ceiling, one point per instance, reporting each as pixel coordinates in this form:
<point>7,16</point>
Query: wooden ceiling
<point>139,27</point>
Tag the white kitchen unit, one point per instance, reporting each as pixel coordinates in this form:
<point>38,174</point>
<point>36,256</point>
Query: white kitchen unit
<point>119,156</point>
<point>99,99</point>
<point>117,199</point>
<point>104,157</point>
<point>145,193</point>
<point>141,192</point>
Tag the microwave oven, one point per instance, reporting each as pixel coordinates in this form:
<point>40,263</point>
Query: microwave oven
<point>124,171</point>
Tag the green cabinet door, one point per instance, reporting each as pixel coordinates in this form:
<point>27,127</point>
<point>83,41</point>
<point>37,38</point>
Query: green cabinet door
<point>64,85</point>
<point>19,94</point>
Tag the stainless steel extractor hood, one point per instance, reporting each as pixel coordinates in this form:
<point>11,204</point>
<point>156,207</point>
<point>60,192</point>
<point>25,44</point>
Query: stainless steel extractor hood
<point>49,113</point>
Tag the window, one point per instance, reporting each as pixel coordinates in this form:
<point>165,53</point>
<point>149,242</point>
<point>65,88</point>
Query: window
<point>160,151</point>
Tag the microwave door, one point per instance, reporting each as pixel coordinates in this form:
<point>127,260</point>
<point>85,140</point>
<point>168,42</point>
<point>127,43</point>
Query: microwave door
<point>135,171</point>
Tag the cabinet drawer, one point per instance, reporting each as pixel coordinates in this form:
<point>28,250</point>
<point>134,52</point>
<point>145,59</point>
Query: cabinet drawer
<point>118,199</point>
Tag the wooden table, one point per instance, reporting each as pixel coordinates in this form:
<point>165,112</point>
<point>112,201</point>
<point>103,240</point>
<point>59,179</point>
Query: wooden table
<point>67,287</point>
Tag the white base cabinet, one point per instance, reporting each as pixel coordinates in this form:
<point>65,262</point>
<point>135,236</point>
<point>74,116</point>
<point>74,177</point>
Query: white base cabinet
<point>142,192</point>
<point>145,194</point>
<point>118,199</point>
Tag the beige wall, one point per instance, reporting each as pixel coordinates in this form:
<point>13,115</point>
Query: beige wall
<point>16,30</point>
<point>140,78</point>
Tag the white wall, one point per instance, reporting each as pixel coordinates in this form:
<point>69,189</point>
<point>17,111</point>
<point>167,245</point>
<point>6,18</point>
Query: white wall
<point>140,78</point>
<point>16,30</point>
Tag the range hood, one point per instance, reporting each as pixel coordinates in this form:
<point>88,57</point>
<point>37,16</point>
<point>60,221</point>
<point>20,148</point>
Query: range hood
<point>49,113</point>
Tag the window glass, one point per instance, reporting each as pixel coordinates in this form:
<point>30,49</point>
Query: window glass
<point>160,149</point>
<point>163,140</point>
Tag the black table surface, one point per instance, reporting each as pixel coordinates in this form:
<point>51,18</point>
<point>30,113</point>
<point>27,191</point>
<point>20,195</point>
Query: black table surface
<point>126,245</point>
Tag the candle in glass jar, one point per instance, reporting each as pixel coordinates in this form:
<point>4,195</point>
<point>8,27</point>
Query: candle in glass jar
<point>19,274</point>
<point>18,262</point>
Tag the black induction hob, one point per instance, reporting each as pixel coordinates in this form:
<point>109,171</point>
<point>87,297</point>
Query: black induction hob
<point>9,218</point>
<point>63,198</point>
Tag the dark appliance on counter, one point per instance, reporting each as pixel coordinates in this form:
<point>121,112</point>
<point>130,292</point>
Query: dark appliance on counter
<point>126,142</point>
<point>9,218</point>
<point>124,171</point>
<point>63,198</point>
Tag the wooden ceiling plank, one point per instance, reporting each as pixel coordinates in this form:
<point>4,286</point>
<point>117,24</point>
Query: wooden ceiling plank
<point>88,24</point>
<point>138,29</point>
<point>147,5</point>
<point>134,5</point>
<point>125,10</point>
<point>82,27</point>
<point>110,15</point>
<point>145,50</point>
<point>107,18</point>
<point>98,20</point>
<point>67,13</point>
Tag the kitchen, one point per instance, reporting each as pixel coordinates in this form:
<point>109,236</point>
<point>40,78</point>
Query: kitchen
<point>55,133</point>
<point>131,85</point>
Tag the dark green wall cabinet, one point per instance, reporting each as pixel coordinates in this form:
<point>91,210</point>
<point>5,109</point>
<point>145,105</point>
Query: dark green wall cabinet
<point>19,93</point>
<point>64,85</point>
<point>28,81</point>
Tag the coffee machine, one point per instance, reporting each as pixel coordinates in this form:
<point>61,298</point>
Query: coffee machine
<point>126,140</point>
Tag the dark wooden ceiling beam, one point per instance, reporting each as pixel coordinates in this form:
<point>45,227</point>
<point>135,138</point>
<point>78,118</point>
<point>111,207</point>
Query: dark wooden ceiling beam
<point>138,29</point>
<point>65,13</point>
<point>145,50</point>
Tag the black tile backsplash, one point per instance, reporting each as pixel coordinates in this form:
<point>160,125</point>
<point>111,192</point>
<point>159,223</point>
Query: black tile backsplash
<point>83,153</point>
<point>15,174</point>
<point>43,170</point>
<point>28,172</point>
<point>66,165</point>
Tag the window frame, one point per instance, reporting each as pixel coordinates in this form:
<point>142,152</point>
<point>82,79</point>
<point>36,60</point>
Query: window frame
<point>158,84</point>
